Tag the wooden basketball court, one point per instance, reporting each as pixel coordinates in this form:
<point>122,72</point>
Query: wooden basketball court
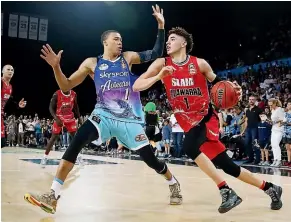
<point>127,191</point>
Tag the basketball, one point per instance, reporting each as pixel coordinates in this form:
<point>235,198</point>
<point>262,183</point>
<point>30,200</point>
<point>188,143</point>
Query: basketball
<point>223,95</point>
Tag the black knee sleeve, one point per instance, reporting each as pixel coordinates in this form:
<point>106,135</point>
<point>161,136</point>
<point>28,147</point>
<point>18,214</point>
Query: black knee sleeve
<point>224,162</point>
<point>3,142</point>
<point>85,135</point>
<point>151,160</point>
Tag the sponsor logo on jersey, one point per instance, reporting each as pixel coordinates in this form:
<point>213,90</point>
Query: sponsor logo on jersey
<point>113,74</point>
<point>182,82</point>
<point>6,96</point>
<point>140,137</point>
<point>185,92</point>
<point>113,85</point>
<point>96,119</point>
<point>192,69</point>
<point>103,66</point>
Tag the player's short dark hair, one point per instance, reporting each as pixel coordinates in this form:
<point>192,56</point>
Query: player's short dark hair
<point>106,34</point>
<point>187,36</point>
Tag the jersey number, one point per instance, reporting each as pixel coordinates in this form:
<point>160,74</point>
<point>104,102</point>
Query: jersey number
<point>187,103</point>
<point>126,94</point>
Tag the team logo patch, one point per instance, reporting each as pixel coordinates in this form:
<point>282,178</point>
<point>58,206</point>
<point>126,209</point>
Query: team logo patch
<point>140,137</point>
<point>192,69</point>
<point>103,66</point>
<point>96,119</point>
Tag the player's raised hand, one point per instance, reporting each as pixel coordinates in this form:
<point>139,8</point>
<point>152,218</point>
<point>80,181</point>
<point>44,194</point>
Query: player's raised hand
<point>50,56</point>
<point>166,70</point>
<point>22,103</point>
<point>158,13</point>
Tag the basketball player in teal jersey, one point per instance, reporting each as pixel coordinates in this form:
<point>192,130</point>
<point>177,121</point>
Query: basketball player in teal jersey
<point>118,111</point>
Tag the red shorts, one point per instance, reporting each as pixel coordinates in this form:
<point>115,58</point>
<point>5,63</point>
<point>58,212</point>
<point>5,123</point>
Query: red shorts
<point>205,136</point>
<point>70,125</point>
<point>2,128</point>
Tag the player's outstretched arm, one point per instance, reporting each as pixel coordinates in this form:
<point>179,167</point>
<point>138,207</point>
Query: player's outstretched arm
<point>155,72</point>
<point>65,83</point>
<point>157,51</point>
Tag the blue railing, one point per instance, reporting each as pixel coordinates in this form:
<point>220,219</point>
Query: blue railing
<point>240,70</point>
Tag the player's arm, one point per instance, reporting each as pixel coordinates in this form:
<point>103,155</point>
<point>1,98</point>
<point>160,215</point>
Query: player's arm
<point>207,71</point>
<point>244,126</point>
<point>76,78</point>
<point>76,110</point>
<point>150,77</point>
<point>157,51</point>
<point>148,55</point>
<point>53,105</point>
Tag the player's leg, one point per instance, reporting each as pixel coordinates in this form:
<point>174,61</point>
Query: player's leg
<point>85,134</point>
<point>71,126</point>
<point>224,162</point>
<point>55,135</point>
<point>3,139</point>
<point>192,149</point>
<point>132,135</point>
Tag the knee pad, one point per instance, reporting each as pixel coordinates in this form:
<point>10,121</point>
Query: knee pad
<point>164,169</point>
<point>224,162</point>
<point>152,161</point>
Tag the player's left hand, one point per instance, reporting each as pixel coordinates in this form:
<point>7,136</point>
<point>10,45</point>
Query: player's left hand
<point>22,103</point>
<point>158,13</point>
<point>238,89</point>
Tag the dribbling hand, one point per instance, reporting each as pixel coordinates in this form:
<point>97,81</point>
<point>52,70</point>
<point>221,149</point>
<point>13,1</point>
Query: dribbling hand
<point>166,70</point>
<point>238,89</point>
<point>158,13</point>
<point>50,56</point>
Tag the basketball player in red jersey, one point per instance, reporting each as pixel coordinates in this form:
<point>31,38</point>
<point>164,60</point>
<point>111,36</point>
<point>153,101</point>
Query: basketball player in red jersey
<point>6,91</point>
<point>185,79</point>
<point>61,108</point>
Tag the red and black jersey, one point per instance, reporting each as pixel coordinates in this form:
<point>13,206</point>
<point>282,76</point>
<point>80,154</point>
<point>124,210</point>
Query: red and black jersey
<point>187,92</point>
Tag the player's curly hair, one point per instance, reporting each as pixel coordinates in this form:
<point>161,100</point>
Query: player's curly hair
<point>187,36</point>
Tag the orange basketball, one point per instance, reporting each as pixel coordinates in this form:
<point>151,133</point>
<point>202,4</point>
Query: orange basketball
<point>223,95</point>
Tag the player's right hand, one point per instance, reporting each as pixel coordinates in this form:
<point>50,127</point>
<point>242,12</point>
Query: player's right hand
<point>166,70</point>
<point>59,122</point>
<point>50,56</point>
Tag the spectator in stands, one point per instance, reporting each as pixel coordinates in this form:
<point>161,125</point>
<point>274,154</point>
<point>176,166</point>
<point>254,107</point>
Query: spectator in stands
<point>277,118</point>
<point>264,136</point>
<point>11,131</point>
<point>177,136</point>
<point>236,139</point>
<point>20,136</point>
<point>287,132</point>
<point>251,129</point>
<point>167,131</point>
<point>38,131</point>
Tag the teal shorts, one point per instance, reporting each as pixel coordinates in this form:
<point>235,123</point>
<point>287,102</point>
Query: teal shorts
<point>130,135</point>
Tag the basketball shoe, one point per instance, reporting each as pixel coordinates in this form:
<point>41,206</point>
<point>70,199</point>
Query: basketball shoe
<point>175,198</point>
<point>47,201</point>
<point>275,192</point>
<point>229,200</point>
